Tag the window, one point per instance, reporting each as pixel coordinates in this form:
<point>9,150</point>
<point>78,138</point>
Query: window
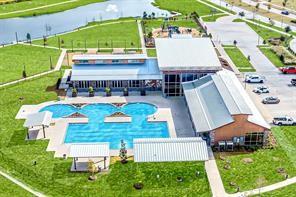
<point>254,139</point>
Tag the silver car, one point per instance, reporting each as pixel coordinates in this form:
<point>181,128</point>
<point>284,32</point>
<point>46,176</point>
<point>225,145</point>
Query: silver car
<point>271,100</point>
<point>261,89</point>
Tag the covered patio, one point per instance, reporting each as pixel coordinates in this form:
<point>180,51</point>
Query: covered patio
<point>170,149</point>
<point>37,121</point>
<point>82,154</point>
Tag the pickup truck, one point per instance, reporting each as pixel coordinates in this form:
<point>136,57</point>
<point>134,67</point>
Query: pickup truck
<point>288,70</point>
<point>285,120</point>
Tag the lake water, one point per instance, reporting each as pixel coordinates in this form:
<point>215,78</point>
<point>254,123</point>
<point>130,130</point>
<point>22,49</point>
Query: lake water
<point>39,26</point>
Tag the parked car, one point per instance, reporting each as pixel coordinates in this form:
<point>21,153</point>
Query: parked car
<point>261,89</point>
<point>271,100</point>
<point>254,79</point>
<point>285,12</point>
<point>293,82</point>
<point>288,70</point>
<point>284,120</point>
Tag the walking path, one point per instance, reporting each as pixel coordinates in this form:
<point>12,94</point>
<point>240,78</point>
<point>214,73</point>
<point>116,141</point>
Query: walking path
<point>22,185</point>
<point>57,67</point>
<point>214,177</point>
<point>37,8</point>
<point>142,37</point>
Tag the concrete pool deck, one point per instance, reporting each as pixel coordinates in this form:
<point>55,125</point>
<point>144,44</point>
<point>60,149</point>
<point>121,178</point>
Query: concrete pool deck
<point>173,111</point>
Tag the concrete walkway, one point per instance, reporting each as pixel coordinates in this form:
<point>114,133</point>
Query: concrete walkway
<point>57,67</point>
<point>214,177</point>
<point>22,185</point>
<point>141,37</point>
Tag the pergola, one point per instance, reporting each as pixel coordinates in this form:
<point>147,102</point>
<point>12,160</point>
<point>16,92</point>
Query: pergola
<point>39,119</point>
<point>86,151</point>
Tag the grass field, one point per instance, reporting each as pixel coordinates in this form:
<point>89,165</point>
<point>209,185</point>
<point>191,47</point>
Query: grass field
<point>151,52</point>
<point>263,170</point>
<point>212,18</point>
<point>24,5</point>
<point>272,57</point>
<point>116,34</point>
<point>240,61</point>
<point>184,7</point>
<point>35,59</point>
<point>8,188</point>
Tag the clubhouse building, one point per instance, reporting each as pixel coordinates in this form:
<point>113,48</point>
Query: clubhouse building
<point>221,111</point>
<point>178,60</point>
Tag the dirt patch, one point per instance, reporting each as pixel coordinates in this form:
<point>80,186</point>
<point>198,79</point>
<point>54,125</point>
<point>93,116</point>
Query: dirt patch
<point>247,160</point>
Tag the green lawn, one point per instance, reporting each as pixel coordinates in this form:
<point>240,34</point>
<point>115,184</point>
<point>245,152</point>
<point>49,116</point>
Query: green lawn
<point>212,18</point>
<point>8,188</point>
<point>263,170</point>
<point>240,61</point>
<point>184,7</point>
<point>151,52</point>
<point>272,57</point>
<point>6,8</point>
<point>116,34</point>
<point>36,60</point>
<point>51,175</point>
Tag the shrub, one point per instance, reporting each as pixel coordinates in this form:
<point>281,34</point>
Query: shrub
<point>285,56</point>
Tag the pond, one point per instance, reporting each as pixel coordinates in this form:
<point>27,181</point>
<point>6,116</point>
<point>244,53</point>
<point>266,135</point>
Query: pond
<point>60,22</point>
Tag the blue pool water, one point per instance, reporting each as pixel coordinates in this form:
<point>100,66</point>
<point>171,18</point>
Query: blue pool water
<point>98,131</point>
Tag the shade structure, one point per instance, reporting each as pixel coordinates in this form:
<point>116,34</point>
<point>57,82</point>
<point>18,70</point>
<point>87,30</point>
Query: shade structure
<point>38,119</point>
<point>170,149</point>
<point>86,150</point>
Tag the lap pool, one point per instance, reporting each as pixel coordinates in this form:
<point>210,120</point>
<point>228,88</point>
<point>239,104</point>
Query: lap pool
<point>96,130</point>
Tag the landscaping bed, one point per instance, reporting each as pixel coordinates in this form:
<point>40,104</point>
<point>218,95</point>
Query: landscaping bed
<point>238,58</point>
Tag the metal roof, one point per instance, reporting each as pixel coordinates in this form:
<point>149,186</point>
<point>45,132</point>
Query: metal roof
<point>170,149</point>
<point>148,70</point>
<point>186,54</point>
<point>89,150</point>
<point>109,56</point>
<point>38,119</point>
<point>212,100</point>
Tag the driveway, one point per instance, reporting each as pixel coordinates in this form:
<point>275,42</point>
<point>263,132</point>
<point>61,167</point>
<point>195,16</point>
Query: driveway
<point>225,32</point>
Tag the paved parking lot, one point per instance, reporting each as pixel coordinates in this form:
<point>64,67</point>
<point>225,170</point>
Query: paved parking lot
<point>225,32</point>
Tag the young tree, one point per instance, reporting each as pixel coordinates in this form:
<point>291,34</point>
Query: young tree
<point>257,6</point>
<point>287,29</point>
<point>29,37</point>
<point>268,7</point>
<point>123,152</point>
<point>92,169</point>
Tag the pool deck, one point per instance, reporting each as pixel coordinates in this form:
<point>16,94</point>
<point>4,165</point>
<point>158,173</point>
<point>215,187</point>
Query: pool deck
<point>171,110</point>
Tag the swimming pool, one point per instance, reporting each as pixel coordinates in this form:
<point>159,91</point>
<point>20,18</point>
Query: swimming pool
<point>96,130</point>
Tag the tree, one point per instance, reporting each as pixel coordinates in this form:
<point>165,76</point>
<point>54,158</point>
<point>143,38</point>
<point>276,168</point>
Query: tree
<point>145,15</point>
<point>24,72</point>
<point>257,6</point>
<point>235,42</point>
<point>268,7</point>
<point>123,152</point>
<point>271,22</point>
<point>287,29</point>
<point>140,176</point>
<point>92,168</point>
<point>153,15</point>
<point>29,37</point>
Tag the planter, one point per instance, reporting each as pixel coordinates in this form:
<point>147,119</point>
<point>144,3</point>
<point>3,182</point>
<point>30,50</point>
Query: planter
<point>138,185</point>
<point>91,94</point>
<point>108,94</point>
<point>143,92</point>
<point>74,94</point>
<point>92,178</point>
<point>125,93</point>
<point>124,161</point>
